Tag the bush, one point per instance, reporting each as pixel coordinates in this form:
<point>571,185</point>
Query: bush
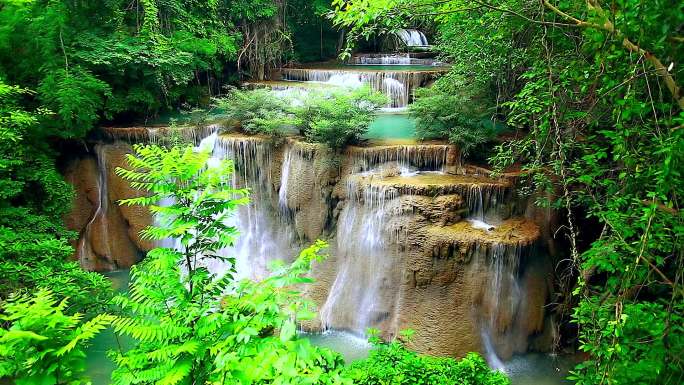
<point>41,344</point>
<point>257,111</point>
<point>34,197</point>
<point>394,364</point>
<point>338,117</point>
<point>191,325</point>
<point>457,117</point>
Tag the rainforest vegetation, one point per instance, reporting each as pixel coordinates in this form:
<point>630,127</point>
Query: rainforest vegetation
<point>583,99</point>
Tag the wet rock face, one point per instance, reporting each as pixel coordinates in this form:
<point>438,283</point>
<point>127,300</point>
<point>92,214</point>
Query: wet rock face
<point>108,233</point>
<point>416,239</point>
<point>306,176</point>
<point>82,174</point>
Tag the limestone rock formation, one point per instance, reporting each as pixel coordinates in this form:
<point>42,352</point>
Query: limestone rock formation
<point>417,240</point>
<point>108,233</point>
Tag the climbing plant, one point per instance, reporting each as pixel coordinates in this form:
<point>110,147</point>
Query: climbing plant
<point>593,89</point>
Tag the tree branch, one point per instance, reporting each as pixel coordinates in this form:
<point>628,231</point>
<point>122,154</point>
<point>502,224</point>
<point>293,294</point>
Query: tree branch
<point>608,26</point>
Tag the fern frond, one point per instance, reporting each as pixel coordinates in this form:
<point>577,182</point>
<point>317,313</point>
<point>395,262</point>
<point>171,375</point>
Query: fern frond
<point>87,332</point>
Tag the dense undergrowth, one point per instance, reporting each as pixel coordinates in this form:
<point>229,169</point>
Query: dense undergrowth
<point>392,363</point>
<point>334,117</point>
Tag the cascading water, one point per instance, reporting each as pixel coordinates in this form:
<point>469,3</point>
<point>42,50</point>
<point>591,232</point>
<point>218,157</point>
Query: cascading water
<point>364,293</point>
<point>398,85</point>
<point>285,180</point>
<point>263,238</point>
<point>370,232</point>
<point>296,175</point>
<point>427,157</point>
<point>480,199</point>
<point>392,60</point>
<point>87,255</point>
<point>500,298</point>
<point>412,37</point>
<point>401,252</point>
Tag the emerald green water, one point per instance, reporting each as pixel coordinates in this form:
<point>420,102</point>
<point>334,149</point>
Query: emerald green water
<point>98,366</point>
<point>392,127</point>
<point>528,369</point>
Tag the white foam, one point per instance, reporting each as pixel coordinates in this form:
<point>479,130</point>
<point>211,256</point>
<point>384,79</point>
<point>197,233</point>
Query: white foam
<point>482,225</point>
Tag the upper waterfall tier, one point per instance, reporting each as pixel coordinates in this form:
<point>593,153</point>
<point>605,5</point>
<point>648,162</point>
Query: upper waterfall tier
<point>398,84</point>
<point>412,37</point>
<point>392,59</point>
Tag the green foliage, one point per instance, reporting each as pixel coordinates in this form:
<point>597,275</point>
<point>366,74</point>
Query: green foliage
<point>637,347</point>
<point>76,96</point>
<point>443,115</point>
<point>90,61</point>
<point>392,363</point>
<point>194,326</point>
<point>257,111</point>
<point>598,113</point>
<point>314,37</point>
<point>41,344</point>
<point>337,117</point>
<point>34,251</point>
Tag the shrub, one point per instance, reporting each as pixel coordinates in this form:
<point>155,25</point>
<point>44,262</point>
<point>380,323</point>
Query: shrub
<point>257,111</point>
<point>196,327</point>
<point>338,117</point>
<point>392,363</point>
<point>41,344</point>
<point>457,117</point>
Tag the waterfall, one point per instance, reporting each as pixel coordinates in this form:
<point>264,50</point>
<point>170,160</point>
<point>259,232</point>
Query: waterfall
<point>501,296</point>
<point>399,59</point>
<point>285,179</point>
<point>396,90</point>
<point>392,60</point>
<point>412,37</point>
<point>398,85</point>
<point>364,292</point>
<point>400,244</point>
<point>262,236</point>
<point>370,232</point>
<point>481,198</point>
<point>421,156</point>
<point>490,352</point>
<point>88,257</point>
<point>297,176</point>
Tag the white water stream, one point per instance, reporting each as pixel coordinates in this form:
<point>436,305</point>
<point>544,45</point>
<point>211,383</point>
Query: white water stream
<point>87,255</point>
<point>412,37</point>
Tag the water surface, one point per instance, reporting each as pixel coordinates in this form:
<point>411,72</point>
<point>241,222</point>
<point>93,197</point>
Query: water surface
<point>526,369</point>
<point>351,346</point>
<point>98,366</point>
<point>392,126</point>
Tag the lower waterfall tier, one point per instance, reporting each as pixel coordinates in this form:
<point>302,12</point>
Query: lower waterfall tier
<point>412,243</point>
